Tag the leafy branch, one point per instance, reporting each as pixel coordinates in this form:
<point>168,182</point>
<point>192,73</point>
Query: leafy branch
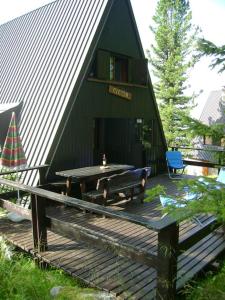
<point>196,196</point>
<point>207,48</point>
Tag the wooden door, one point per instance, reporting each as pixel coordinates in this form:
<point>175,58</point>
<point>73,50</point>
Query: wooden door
<point>119,139</point>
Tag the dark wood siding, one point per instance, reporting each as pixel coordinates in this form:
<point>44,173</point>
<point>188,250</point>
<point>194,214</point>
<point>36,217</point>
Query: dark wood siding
<point>138,71</point>
<point>102,61</point>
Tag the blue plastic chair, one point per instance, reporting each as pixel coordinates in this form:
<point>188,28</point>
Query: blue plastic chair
<point>174,163</point>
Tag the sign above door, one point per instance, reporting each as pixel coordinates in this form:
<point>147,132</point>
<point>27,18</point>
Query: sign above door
<point>119,92</point>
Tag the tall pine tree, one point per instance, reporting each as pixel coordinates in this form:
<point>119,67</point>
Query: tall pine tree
<point>171,58</point>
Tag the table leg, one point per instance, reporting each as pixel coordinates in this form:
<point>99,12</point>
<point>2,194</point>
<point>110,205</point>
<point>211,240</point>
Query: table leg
<point>83,190</point>
<point>82,187</point>
<point>68,186</point>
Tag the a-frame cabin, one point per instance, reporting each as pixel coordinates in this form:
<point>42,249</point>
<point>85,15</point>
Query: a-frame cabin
<point>78,68</point>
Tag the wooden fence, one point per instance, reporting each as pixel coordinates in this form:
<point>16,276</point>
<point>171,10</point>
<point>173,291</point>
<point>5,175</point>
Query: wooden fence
<point>219,159</point>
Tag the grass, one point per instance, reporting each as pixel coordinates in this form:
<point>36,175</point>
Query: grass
<point>21,279</point>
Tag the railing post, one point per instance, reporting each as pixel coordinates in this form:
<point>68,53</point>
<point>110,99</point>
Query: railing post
<point>219,161</point>
<point>39,224</point>
<point>42,176</point>
<point>167,262</point>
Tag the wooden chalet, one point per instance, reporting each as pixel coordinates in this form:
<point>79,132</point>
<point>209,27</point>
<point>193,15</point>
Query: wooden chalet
<point>79,71</point>
<point>76,74</point>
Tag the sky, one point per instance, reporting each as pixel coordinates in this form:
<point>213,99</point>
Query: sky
<point>209,15</point>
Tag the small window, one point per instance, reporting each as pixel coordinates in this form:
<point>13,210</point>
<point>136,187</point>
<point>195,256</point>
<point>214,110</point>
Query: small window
<point>112,68</point>
<point>121,68</point>
<point>207,140</point>
<point>118,68</point>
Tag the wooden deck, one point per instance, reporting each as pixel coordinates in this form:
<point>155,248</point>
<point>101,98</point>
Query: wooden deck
<point>100,266</point>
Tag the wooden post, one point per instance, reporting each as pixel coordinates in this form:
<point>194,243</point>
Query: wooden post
<point>219,162</point>
<point>42,175</point>
<point>39,225</point>
<point>167,262</point>
<point>68,186</point>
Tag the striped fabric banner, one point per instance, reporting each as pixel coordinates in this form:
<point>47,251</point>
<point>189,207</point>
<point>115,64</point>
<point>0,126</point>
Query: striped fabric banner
<point>12,153</point>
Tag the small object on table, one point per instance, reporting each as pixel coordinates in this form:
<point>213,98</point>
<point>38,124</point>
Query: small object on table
<point>104,163</point>
<point>104,160</point>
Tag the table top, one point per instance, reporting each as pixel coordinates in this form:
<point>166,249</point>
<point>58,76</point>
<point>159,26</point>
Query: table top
<point>92,171</point>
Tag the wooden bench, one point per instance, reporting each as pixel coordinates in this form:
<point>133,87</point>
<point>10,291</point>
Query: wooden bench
<point>119,186</point>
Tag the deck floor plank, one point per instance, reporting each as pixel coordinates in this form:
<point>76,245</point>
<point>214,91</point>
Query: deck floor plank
<point>141,278</point>
<point>83,260</point>
<point>135,234</point>
<point>95,264</point>
<point>123,276</point>
<point>103,270</point>
<point>200,257</point>
<point>147,291</point>
<point>100,224</point>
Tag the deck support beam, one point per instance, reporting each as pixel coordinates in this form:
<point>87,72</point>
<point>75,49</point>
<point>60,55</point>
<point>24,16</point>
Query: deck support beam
<point>167,262</point>
<point>101,240</point>
<point>39,223</point>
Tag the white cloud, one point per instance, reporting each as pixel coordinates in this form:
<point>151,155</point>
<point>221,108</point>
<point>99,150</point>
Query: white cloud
<point>209,15</point>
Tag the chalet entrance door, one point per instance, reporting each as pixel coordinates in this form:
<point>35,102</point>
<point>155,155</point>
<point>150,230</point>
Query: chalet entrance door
<point>120,140</point>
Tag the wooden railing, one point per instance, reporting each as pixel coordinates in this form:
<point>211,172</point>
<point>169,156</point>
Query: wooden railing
<point>164,260</point>
<point>218,162</point>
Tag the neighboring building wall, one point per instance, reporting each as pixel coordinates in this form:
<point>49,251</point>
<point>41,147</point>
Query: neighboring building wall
<point>213,113</point>
<point>214,109</point>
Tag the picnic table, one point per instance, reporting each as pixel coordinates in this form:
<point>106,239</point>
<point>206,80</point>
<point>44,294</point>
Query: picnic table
<point>92,173</point>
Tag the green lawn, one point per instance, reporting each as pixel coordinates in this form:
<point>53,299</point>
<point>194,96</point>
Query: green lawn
<point>21,279</point>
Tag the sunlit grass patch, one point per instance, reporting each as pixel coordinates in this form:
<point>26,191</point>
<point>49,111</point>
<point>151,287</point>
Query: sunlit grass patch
<point>21,279</point>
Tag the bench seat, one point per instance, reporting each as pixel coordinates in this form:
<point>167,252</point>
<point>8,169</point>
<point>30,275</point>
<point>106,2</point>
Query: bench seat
<point>114,189</point>
<point>130,183</point>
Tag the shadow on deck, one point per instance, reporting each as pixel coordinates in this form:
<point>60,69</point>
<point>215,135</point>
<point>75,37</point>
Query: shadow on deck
<point>118,255</point>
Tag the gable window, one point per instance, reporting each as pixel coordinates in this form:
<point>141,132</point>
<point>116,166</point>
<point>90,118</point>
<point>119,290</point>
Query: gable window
<point>207,140</point>
<point>216,141</point>
<point>108,66</point>
<point>118,68</point>
<point>111,68</point>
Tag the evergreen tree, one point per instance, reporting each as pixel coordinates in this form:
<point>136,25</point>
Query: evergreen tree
<point>171,58</point>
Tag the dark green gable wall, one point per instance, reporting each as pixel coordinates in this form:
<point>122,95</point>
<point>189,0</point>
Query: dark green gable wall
<point>94,101</point>
<point>118,34</point>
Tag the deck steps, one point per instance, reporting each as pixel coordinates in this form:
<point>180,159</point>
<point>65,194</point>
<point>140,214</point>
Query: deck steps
<point>121,276</point>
